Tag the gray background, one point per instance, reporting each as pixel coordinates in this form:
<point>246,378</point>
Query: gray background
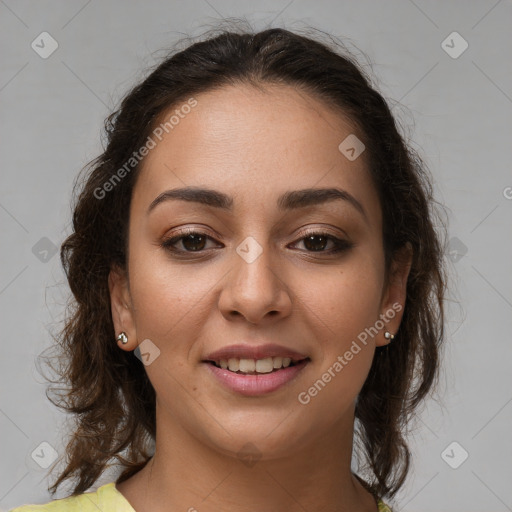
<point>455,110</point>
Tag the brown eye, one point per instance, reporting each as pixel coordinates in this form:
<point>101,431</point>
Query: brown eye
<point>195,242</point>
<point>191,241</point>
<point>318,241</point>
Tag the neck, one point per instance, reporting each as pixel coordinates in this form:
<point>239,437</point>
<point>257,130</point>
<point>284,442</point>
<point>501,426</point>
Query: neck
<point>188,474</point>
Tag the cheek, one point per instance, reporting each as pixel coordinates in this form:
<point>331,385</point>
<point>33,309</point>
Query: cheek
<point>345,300</point>
<point>165,296</point>
<point>344,306</point>
<point>343,312</point>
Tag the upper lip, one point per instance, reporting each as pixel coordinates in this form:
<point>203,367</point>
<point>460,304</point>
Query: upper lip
<point>254,352</point>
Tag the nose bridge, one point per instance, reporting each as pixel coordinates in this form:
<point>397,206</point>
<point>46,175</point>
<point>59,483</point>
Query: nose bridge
<point>255,286</point>
<point>255,267</point>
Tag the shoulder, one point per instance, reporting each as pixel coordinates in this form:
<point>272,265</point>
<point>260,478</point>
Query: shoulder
<point>382,506</point>
<point>107,497</point>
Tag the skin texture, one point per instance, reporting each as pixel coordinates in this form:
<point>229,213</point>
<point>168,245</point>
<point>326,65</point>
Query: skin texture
<point>253,145</point>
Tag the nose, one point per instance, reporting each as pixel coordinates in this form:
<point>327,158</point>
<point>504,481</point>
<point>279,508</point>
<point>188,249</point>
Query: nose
<point>255,289</point>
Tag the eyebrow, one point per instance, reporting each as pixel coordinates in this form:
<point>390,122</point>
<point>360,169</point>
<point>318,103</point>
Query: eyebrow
<point>290,200</point>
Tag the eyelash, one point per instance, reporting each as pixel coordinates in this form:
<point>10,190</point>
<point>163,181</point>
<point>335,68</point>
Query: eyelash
<point>340,245</point>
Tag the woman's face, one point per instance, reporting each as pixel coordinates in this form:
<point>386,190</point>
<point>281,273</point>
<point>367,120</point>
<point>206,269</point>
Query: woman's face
<point>255,276</point>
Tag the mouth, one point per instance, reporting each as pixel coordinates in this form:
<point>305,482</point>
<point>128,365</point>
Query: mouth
<point>249,380</point>
<point>257,366</point>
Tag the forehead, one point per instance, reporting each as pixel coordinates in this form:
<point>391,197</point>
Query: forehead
<point>254,145</point>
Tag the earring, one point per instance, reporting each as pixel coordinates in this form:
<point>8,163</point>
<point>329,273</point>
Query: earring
<point>123,338</point>
<point>389,336</point>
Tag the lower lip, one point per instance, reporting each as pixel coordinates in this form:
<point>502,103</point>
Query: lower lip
<point>254,385</point>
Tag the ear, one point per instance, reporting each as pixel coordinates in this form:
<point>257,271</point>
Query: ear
<point>122,311</point>
<point>395,293</point>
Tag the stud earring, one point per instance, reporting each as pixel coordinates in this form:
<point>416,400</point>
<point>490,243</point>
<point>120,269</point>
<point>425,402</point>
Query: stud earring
<point>123,338</point>
<point>389,336</point>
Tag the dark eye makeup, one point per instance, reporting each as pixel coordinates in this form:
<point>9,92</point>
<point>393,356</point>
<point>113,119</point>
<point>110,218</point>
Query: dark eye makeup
<point>194,241</point>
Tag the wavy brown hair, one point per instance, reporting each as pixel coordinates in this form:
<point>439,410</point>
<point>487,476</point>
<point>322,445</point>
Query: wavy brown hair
<point>108,391</point>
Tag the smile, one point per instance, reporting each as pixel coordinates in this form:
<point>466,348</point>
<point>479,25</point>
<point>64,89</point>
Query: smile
<point>255,366</point>
<point>251,377</point>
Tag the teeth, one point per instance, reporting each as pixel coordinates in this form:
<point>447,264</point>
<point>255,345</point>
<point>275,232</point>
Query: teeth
<point>247,365</point>
<point>234,364</point>
<point>266,365</point>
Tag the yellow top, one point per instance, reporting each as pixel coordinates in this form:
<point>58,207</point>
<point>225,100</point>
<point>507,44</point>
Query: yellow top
<point>107,499</point>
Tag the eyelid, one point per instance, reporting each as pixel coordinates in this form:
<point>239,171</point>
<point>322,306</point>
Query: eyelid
<point>320,230</point>
<point>182,232</point>
<point>340,244</point>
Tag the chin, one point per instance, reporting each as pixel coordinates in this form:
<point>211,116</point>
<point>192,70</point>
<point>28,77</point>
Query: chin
<point>260,441</point>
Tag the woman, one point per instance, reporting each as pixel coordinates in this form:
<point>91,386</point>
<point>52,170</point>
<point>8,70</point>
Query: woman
<point>254,267</point>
